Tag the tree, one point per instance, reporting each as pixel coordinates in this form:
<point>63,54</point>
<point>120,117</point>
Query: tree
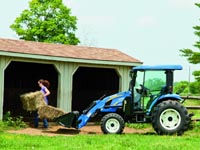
<point>194,56</point>
<point>46,21</point>
<point>194,88</point>
<point>155,83</point>
<point>181,87</point>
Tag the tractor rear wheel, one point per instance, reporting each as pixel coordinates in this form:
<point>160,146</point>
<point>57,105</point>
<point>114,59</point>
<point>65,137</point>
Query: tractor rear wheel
<point>170,117</point>
<point>112,123</point>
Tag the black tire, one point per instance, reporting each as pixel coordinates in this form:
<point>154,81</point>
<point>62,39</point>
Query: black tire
<point>170,117</point>
<point>112,123</point>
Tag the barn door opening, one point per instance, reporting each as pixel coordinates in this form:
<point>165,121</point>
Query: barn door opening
<point>22,77</point>
<point>90,84</point>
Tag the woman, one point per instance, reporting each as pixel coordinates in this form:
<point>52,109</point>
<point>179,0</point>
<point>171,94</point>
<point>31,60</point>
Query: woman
<point>44,85</point>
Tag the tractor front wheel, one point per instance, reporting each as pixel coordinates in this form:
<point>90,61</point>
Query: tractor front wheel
<point>112,123</point>
<point>170,117</point>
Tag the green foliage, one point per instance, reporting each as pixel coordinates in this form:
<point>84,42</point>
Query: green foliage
<point>180,87</point>
<point>195,88</point>
<point>155,84</point>
<point>11,122</point>
<point>185,88</point>
<point>193,56</point>
<point>197,75</point>
<point>46,21</point>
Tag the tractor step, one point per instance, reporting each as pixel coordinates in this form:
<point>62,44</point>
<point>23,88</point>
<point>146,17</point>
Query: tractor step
<point>139,112</point>
<point>140,118</point>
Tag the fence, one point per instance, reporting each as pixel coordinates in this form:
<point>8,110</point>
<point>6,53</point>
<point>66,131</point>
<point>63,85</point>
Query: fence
<point>192,107</point>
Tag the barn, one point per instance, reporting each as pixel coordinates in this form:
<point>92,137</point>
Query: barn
<point>77,74</point>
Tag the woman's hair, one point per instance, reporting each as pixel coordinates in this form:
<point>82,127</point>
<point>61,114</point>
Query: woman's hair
<point>45,82</point>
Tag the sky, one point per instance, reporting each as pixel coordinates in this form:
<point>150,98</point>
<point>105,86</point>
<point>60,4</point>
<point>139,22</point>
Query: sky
<point>151,31</point>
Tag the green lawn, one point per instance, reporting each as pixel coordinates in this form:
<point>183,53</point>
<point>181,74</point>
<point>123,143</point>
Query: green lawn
<point>193,103</point>
<point>148,141</point>
<point>190,140</point>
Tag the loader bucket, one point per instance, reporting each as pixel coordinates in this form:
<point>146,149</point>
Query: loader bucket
<point>68,120</point>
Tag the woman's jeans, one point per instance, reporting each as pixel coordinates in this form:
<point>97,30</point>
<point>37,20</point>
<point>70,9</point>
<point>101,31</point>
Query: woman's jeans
<point>36,121</point>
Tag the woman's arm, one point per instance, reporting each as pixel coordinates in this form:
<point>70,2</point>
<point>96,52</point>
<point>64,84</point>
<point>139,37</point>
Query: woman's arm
<point>47,92</point>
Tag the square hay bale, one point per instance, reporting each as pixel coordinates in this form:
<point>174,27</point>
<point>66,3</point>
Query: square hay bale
<point>32,101</point>
<point>50,112</point>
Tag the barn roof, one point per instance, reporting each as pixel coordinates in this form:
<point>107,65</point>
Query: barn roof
<point>61,51</point>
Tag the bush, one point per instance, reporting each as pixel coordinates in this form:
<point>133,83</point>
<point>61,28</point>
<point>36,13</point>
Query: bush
<point>11,122</point>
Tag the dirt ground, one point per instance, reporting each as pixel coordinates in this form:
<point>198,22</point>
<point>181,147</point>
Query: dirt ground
<point>55,130</point>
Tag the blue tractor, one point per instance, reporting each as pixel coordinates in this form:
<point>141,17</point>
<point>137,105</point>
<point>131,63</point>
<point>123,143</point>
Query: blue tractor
<point>149,99</point>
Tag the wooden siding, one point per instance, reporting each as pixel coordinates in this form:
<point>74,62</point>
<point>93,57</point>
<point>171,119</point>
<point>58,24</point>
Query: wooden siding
<point>4,61</point>
<point>65,77</point>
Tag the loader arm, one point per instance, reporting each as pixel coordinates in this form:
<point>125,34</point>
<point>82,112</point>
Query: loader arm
<point>107,105</point>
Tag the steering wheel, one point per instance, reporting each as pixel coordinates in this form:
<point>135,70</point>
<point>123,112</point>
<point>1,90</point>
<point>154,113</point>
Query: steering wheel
<point>144,90</point>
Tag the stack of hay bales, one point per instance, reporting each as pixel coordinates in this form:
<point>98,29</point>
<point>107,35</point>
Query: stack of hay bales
<point>50,112</point>
<point>32,101</point>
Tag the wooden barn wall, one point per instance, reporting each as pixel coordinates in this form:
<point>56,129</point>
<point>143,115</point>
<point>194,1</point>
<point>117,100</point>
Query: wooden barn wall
<point>124,77</point>
<point>65,81</point>
<point>4,61</point>
<point>65,77</point>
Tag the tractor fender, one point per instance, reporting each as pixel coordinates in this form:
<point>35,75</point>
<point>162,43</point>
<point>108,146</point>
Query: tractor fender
<point>161,98</point>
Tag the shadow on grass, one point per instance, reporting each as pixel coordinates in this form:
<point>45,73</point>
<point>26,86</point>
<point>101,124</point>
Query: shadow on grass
<point>63,131</point>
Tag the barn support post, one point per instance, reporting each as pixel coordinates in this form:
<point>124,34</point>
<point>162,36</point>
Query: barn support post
<point>65,81</point>
<point>124,78</point>
<point>4,61</point>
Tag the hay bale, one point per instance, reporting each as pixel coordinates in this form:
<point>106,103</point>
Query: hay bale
<point>33,100</point>
<point>50,112</point>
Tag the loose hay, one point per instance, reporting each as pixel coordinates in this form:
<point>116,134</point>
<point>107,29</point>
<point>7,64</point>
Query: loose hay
<point>33,100</point>
<point>50,112</point>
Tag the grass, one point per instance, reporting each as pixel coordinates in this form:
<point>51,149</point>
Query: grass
<point>136,141</point>
<point>190,140</point>
<point>190,102</point>
<point>139,125</point>
<point>142,141</point>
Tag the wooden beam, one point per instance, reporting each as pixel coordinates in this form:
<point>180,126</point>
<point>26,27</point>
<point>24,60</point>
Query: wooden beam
<point>191,97</point>
<point>197,119</point>
<point>193,107</point>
